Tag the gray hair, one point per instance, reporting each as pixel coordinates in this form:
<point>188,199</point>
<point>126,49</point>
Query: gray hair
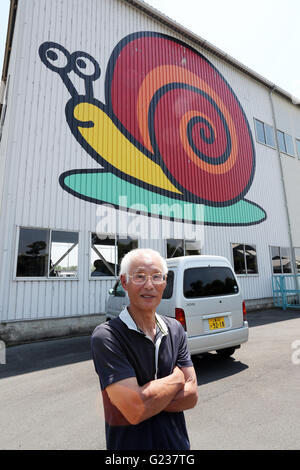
<point>128,258</point>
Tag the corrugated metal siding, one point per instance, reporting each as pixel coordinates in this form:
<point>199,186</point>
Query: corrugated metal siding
<point>41,147</point>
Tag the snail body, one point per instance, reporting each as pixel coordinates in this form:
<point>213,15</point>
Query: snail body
<point>123,156</point>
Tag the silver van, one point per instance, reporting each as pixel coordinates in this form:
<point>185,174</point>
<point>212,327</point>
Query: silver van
<point>204,295</point>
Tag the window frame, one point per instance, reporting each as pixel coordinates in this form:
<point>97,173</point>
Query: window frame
<point>264,124</point>
<point>285,151</point>
<point>245,260</point>
<point>297,148</point>
<point>280,256</point>
<point>116,238</point>
<point>185,249</point>
<point>297,257</point>
<point>276,139</point>
<point>47,277</point>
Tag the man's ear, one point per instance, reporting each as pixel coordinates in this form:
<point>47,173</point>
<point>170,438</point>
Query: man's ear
<point>123,281</point>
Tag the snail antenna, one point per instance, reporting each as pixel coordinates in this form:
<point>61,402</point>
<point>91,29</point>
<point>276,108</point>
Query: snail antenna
<point>87,68</point>
<point>58,59</point>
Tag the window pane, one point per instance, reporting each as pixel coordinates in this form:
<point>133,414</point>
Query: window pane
<point>297,258</point>
<point>192,248</point>
<point>286,261</point>
<point>124,246</point>
<point>168,292</point>
<point>64,254</point>
<point>260,133</point>
<point>174,248</point>
<point>208,282</point>
<point>281,143</point>
<point>251,262</point>
<point>33,252</point>
<point>275,255</point>
<point>289,144</point>
<point>238,258</point>
<point>270,138</point>
<point>103,256</point>
<point>298,147</point>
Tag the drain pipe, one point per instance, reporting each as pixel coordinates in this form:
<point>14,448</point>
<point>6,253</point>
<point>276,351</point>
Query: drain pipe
<point>283,183</point>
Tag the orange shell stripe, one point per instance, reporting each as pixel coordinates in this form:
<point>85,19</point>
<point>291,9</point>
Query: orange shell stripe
<point>164,75</point>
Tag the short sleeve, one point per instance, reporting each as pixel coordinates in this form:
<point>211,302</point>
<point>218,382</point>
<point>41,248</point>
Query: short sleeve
<point>184,356</point>
<point>109,358</point>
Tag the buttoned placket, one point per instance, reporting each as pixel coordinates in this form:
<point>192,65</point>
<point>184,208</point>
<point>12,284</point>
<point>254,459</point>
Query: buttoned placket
<point>161,331</point>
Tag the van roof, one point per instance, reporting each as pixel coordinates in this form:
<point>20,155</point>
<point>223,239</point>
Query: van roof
<point>193,258</point>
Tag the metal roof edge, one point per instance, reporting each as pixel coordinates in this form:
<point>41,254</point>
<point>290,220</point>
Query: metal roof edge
<point>167,21</point>
<point>9,37</point>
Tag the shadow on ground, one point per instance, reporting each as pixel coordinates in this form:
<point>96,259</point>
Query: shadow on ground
<point>210,367</point>
<point>41,355</point>
<point>30,357</point>
<point>263,317</point>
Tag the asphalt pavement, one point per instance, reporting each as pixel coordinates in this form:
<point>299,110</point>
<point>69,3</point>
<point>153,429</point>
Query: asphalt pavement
<point>50,396</point>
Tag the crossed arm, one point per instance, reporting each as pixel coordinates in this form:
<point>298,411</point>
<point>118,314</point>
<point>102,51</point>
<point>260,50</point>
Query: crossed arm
<point>175,392</point>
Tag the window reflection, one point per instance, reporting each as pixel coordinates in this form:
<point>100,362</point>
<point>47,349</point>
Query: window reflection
<point>179,247</point>
<point>244,258</point>
<point>103,256</point>
<point>281,260</point>
<point>64,254</point>
<point>33,252</point>
<point>107,253</point>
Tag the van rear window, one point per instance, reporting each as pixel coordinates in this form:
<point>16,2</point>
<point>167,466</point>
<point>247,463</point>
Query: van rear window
<point>208,282</point>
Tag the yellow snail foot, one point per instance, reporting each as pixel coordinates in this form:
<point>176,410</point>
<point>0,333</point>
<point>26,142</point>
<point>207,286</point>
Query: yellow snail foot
<point>109,142</point>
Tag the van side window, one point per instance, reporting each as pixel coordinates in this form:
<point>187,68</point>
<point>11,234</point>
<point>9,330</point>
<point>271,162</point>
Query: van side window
<point>208,282</point>
<point>168,292</point>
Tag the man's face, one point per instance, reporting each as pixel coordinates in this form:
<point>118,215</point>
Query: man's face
<point>146,297</point>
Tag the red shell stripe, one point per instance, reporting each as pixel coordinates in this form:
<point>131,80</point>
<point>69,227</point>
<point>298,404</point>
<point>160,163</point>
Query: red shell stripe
<point>173,102</point>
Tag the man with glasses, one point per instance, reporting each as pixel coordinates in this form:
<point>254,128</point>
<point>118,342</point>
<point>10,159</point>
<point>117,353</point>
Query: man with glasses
<point>146,374</point>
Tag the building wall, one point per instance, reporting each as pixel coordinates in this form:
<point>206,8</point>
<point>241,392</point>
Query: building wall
<point>287,118</point>
<point>38,146</point>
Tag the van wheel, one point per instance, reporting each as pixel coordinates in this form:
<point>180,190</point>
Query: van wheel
<point>226,352</point>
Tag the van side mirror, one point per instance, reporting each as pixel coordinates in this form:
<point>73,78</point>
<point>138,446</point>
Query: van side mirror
<point>119,291</point>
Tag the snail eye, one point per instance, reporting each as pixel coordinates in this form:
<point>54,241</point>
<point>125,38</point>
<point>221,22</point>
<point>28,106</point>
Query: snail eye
<point>85,66</point>
<point>55,57</point>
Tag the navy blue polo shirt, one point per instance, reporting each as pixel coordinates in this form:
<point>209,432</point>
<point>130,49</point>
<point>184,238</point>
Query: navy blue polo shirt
<point>120,350</point>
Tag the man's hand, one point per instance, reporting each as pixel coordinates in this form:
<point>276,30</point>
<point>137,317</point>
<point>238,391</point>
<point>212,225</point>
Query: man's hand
<point>187,397</point>
<point>140,403</point>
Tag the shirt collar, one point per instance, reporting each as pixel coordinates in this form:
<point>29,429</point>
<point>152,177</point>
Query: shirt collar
<point>130,323</point>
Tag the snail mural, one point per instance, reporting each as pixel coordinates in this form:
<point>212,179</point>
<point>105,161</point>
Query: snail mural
<point>171,131</point>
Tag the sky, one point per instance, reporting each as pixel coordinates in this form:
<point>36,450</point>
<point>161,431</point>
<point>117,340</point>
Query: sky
<point>264,35</point>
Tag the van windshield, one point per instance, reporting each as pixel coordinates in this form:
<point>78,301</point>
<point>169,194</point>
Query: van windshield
<point>168,292</point>
<point>209,281</point>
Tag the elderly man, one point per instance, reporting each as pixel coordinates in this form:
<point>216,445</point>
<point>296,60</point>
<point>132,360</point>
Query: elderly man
<point>146,374</point>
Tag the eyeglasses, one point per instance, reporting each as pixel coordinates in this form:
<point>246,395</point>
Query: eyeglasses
<point>141,278</point>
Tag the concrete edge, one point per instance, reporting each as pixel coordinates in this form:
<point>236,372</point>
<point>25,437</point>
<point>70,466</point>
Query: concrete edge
<point>28,331</point>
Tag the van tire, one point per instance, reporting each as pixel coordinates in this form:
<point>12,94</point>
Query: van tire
<point>226,352</point>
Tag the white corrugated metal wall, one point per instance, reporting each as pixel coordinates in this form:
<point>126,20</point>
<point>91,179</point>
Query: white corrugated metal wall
<point>39,146</point>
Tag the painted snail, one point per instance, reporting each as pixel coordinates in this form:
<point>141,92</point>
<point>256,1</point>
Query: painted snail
<point>171,123</point>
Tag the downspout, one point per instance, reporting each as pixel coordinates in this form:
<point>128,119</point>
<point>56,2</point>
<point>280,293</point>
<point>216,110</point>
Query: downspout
<point>283,183</point>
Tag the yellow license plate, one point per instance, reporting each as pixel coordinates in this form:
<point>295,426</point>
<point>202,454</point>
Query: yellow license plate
<point>216,323</point>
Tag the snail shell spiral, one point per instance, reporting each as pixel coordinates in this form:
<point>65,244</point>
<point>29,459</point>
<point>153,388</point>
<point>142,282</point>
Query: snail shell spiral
<point>175,105</point>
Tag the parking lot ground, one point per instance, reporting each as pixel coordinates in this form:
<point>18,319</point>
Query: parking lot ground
<point>50,396</point>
